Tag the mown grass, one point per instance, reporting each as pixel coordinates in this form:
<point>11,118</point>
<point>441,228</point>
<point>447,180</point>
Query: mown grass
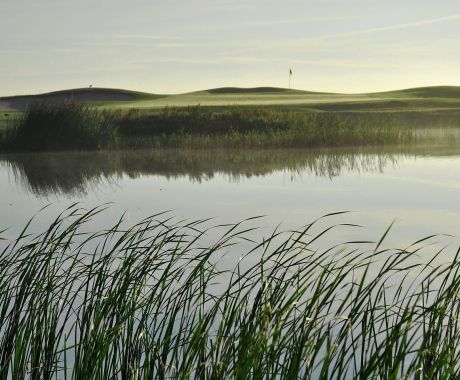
<point>154,301</point>
<point>68,125</point>
<point>440,98</point>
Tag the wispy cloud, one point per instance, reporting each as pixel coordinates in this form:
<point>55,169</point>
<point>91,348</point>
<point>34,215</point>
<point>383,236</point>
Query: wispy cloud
<point>267,23</point>
<point>348,63</point>
<point>146,37</point>
<point>318,42</point>
<point>408,25</point>
<point>222,60</point>
<point>239,47</point>
<point>293,21</point>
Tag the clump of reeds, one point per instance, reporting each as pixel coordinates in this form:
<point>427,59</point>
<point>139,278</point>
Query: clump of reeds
<point>61,126</point>
<point>155,301</point>
<point>69,125</point>
<point>200,127</point>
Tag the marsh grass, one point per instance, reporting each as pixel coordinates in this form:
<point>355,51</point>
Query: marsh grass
<point>68,125</point>
<point>154,301</point>
<point>201,127</point>
<point>61,126</point>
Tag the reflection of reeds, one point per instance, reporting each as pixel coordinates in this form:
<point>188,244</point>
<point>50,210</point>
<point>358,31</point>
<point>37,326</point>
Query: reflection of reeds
<point>74,173</point>
<point>155,301</point>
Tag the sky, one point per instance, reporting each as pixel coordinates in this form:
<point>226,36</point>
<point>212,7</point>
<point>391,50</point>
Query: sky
<point>176,46</point>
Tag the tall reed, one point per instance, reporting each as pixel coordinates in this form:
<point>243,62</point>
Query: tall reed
<point>155,301</point>
<point>199,127</point>
<point>61,126</point>
<point>68,125</point>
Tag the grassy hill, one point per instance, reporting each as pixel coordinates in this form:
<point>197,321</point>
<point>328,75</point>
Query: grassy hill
<point>255,90</point>
<point>442,98</point>
<point>90,95</point>
<point>448,92</point>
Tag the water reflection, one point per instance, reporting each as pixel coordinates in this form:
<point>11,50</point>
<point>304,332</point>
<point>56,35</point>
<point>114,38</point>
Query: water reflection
<point>78,173</point>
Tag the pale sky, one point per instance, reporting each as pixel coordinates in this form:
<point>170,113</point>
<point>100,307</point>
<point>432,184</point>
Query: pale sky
<point>174,46</point>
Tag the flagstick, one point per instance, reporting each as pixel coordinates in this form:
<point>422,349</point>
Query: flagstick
<point>290,75</point>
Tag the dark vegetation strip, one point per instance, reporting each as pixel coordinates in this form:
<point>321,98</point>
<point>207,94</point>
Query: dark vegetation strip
<point>153,301</point>
<point>64,126</point>
<point>77,173</point>
<point>234,127</point>
<point>60,126</point>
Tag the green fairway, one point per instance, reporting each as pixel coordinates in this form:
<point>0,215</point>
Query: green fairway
<point>446,98</point>
<point>432,99</point>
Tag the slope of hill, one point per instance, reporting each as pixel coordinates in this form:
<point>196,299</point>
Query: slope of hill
<point>414,99</point>
<point>255,90</point>
<point>92,95</point>
<point>429,92</point>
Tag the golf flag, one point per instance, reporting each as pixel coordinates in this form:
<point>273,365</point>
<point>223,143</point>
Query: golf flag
<point>290,72</point>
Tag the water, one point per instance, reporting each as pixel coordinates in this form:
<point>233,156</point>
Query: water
<point>417,187</point>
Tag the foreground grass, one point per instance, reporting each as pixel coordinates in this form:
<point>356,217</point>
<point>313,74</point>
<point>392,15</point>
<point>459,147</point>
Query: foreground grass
<point>155,301</point>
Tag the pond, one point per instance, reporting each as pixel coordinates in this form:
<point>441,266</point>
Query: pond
<point>143,285</point>
<point>417,187</point>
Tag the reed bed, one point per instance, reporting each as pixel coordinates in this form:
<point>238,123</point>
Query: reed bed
<point>201,127</point>
<point>155,301</point>
<point>76,126</point>
<point>60,126</point>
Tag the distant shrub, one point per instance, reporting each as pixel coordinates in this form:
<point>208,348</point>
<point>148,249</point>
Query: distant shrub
<point>61,126</point>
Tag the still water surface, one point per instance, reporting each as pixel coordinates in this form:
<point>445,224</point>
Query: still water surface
<point>419,188</point>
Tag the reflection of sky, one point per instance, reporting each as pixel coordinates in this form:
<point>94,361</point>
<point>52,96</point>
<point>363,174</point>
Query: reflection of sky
<point>178,45</point>
<point>420,204</point>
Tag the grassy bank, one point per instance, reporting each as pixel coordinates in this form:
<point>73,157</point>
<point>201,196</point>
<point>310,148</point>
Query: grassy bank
<point>154,301</point>
<point>70,125</point>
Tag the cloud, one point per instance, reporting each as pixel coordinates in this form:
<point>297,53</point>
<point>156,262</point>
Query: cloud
<point>415,24</point>
<point>321,41</point>
<point>222,60</point>
<point>146,37</point>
